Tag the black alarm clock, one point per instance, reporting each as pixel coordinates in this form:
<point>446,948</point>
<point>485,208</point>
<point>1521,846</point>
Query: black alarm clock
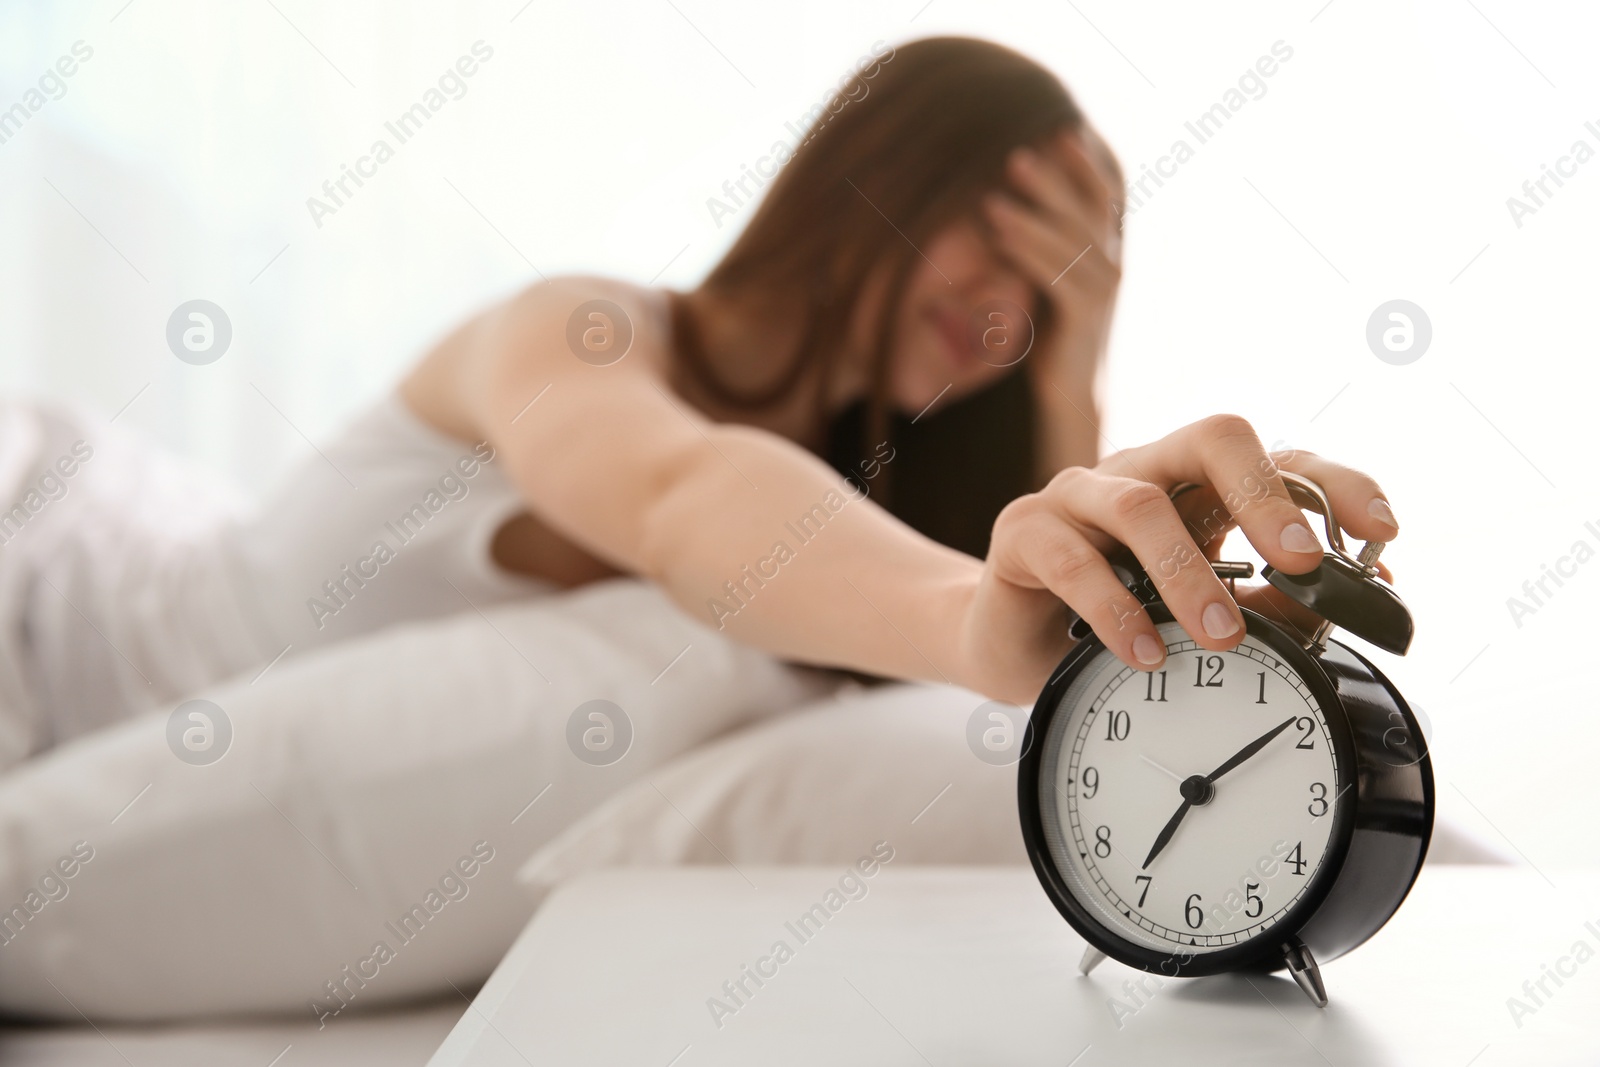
<point>1262,808</point>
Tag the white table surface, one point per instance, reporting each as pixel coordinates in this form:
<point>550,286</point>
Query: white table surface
<point>972,965</point>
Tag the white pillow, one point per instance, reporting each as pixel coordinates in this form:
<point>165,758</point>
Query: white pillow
<point>358,781</point>
<point>823,784</point>
<point>931,770</point>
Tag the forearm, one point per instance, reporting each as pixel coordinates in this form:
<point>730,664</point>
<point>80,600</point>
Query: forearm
<point>764,541</point>
<point>1067,405</point>
<point>1068,434</point>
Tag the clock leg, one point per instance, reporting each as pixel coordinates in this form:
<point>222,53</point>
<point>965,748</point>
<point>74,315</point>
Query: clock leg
<point>1091,959</point>
<point>1303,967</point>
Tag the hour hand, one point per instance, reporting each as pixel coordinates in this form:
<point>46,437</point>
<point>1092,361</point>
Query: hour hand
<point>1166,834</point>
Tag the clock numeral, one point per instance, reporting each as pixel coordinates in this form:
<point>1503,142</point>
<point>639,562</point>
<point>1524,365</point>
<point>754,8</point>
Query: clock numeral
<point>1251,898</point>
<point>1305,723</point>
<point>1192,913</point>
<point>1117,724</point>
<point>1261,690</point>
<point>1150,687</point>
<point>1295,860</point>
<point>1145,891</point>
<point>1102,842</point>
<point>1211,663</point>
<point>1319,799</point>
<point>1091,779</point>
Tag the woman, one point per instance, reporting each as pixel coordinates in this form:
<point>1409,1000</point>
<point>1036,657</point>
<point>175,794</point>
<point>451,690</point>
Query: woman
<point>921,304</point>
<point>964,180</point>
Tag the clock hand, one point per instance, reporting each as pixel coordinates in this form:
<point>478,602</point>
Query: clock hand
<point>1199,789</point>
<point>1250,750</point>
<point>1166,834</point>
<point>1163,770</point>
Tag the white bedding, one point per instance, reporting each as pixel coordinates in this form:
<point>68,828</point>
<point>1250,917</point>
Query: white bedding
<point>415,768</point>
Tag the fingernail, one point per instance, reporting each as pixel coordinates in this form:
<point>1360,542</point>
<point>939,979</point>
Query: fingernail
<point>1297,537</point>
<point>1218,621</point>
<point>1147,649</point>
<point>1379,509</point>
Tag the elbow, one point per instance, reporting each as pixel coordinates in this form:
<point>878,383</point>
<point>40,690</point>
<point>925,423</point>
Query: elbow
<point>709,480</point>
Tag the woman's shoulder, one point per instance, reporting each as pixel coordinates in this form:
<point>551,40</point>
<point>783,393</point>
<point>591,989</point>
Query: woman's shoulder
<point>592,313</point>
<point>535,333</point>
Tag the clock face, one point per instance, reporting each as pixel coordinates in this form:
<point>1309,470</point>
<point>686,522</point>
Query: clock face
<point>1190,809</point>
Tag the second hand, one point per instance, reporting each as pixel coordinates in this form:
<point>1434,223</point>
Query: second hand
<point>1157,766</point>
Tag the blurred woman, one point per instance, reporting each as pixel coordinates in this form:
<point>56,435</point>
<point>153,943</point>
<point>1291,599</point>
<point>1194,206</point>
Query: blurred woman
<point>866,440</point>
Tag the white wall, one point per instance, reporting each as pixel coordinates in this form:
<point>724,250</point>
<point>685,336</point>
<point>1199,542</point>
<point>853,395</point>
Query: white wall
<point>1389,143</point>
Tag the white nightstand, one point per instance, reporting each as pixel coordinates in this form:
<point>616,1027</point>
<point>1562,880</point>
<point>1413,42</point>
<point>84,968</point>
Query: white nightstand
<point>967,966</point>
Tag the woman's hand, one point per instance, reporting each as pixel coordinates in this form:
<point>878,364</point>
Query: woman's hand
<point>1064,233</point>
<point>1050,547</point>
<point>1062,230</point>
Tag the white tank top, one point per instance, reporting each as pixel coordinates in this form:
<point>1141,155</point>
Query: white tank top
<point>394,521</point>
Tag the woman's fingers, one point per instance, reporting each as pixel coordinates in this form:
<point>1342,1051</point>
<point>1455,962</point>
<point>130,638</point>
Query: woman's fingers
<point>1350,493</point>
<point>1049,187</point>
<point>1140,515</point>
<point>1087,143</point>
<point>1207,518</point>
<point>1079,205</point>
<point>1042,249</point>
<point>1022,236</point>
<point>1036,548</point>
<point>1058,539</point>
<point>1223,451</point>
<point>1359,504</point>
<point>1086,173</point>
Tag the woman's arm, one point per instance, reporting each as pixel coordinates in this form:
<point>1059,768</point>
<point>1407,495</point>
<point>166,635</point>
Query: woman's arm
<point>721,513</point>
<point>1068,414</point>
<point>745,530</point>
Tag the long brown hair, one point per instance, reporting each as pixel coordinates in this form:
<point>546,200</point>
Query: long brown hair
<point>912,146</point>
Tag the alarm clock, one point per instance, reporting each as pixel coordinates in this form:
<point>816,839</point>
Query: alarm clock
<point>1263,808</point>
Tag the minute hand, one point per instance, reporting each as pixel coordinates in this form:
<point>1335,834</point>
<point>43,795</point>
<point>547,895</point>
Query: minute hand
<point>1250,750</point>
